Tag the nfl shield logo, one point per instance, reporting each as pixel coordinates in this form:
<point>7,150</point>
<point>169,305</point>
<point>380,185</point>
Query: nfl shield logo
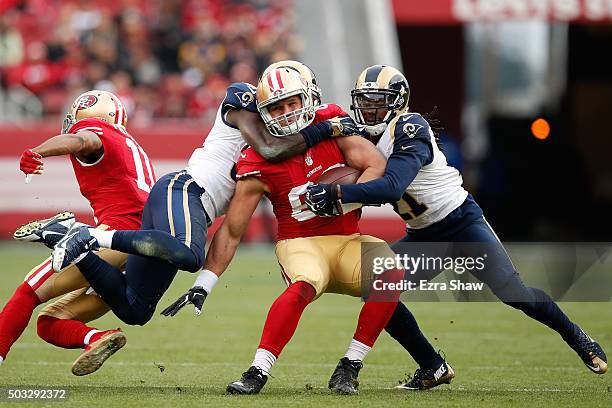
<point>309,160</point>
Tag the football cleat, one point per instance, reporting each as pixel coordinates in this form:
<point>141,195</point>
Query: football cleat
<point>424,379</point>
<point>48,231</point>
<point>344,378</point>
<point>591,353</point>
<point>98,352</point>
<point>252,382</point>
<point>73,246</point>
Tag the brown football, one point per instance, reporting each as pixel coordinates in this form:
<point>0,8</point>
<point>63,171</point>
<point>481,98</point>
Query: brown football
<point>340,175</point>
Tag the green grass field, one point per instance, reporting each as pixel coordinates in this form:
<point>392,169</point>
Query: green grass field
<point>501,358</point>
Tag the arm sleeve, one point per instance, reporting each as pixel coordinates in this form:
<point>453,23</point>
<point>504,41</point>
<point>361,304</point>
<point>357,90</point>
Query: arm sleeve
<point>412,150</point>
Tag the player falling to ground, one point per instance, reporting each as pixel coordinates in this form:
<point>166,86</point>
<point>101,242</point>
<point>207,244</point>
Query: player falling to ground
<point>114,174</point>
<point>428,194</point>
<point>179,210</point>
<point>316,255</point>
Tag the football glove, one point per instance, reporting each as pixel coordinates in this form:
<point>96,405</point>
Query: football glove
<point>324,199</point>
<point>196,296</point>
<point>31,162</point>
<point>344,126</point>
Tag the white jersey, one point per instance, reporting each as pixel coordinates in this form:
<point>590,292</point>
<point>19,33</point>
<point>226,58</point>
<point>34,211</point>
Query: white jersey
<point>437,189</point>
<point>212,164</point>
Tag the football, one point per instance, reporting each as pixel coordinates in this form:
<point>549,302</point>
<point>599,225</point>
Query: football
<point>340,175</point>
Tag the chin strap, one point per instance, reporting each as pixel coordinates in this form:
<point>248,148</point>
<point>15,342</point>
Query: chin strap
<point>376,130</point>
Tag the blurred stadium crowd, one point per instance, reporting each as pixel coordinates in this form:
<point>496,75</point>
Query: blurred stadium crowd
<point>163,58</point>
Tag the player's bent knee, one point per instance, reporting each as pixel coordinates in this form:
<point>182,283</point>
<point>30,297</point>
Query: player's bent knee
<point>54,311</point>
<point>135,318</point>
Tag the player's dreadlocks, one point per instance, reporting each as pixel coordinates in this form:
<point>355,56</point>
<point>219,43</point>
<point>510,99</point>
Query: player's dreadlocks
<point>435,124</point>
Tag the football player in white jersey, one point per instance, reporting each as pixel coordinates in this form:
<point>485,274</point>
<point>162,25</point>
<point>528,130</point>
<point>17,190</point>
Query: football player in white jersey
<point>179,209</point>
<point>428,194</point>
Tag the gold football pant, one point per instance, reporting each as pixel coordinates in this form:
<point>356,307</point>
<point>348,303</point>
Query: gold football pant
<point>331,263</point>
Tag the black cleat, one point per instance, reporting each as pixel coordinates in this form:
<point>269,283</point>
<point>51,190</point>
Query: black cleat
<point>591,353</point>
<point>48,231</point>
<point>424,379</point>
<point>73,246</point>
<point>344,378</point>
<point>252,382</point>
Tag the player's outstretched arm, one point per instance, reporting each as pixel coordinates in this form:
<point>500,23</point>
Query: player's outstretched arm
<point>85,145</point>
<point>223,246</point>
<point>277,149</point>
<point>412,149</point>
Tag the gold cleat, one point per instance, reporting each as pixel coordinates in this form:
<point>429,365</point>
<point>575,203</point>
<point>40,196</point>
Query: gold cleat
<point>98,352</point>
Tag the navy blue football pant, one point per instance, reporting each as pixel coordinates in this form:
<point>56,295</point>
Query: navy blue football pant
<point>467,224</point>
<point>172,237</point>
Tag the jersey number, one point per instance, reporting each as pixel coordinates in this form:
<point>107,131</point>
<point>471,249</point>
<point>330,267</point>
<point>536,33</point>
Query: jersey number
<point>140,156</point>
<point>408,208</point>
<point>299,210</point>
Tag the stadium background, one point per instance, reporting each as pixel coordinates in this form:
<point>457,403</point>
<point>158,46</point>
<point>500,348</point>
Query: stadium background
<point>491,66</point>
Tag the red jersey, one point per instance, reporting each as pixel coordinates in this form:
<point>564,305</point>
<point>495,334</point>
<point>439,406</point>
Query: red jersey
<point>287,182</point>
<point>118,184</point>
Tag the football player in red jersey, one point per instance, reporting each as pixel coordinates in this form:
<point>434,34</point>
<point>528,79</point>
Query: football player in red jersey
<point>100,148</point>
<point>317,255</point>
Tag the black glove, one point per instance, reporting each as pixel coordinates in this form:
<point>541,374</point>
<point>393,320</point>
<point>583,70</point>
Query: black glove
<point>344,126</point>
<point>196,296</point>
<point>323,199</point>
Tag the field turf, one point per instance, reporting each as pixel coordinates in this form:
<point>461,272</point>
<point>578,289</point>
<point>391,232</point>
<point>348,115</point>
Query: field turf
<point>501,358</point>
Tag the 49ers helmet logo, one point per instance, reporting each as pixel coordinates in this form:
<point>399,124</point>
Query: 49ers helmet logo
<point>87,101</point>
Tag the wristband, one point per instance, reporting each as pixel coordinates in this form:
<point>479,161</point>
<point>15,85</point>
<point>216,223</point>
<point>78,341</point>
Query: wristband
<point>207,280</point>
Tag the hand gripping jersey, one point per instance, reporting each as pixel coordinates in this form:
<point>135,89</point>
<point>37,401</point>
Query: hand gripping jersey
<point>287,182</point>
<point>437,188</point>
<point>211,165</point>
<point>118,184</point>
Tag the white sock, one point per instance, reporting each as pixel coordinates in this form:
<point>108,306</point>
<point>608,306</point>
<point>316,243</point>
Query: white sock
<point>207,280</point>
<point>357,351</point>
<point>1,360</point>
<point>264,360</point>
<point>104,238</point>
<point>88,336</point>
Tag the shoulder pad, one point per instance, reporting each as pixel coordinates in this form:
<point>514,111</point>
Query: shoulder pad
<point>329,110</point>
<point>239,95</point>
<point>95,125</point>
<point>410,126</point>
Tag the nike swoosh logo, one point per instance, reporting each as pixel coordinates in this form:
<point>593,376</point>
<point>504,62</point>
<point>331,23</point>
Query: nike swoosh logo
<point>45,233</point>
<point>594,369</point>
<point>321,193</point>
<point>62,243</point>
<point>407,147</point>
